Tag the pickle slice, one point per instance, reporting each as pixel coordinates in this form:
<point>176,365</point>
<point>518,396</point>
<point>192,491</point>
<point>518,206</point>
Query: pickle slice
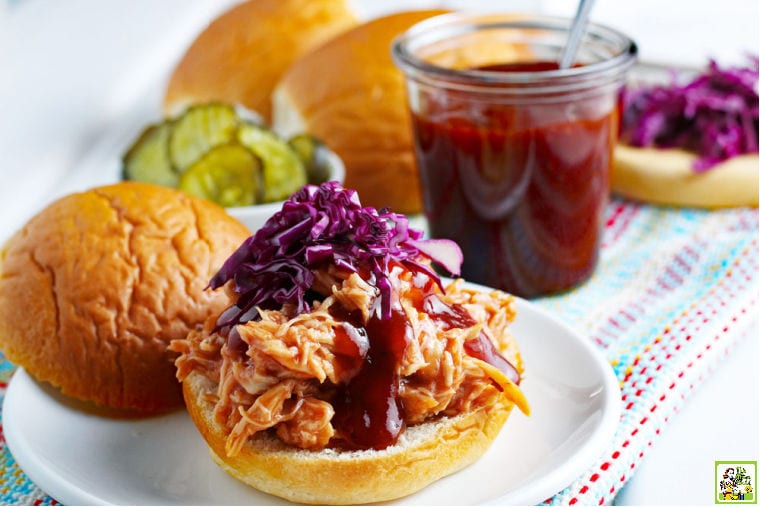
<point>199,129</point>
<point>283,171</point>
<point>229,175</point>
<point>314,155</point>
<point>147,160</point>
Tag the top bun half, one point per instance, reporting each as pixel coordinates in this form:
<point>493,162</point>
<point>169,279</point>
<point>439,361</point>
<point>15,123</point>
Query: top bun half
<point>94,287</point>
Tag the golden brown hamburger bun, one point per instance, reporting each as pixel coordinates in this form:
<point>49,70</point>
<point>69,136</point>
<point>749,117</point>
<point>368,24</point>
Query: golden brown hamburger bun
<point>240,56</point>
<point>423,454</point>
<point>94,287</point>
<point>665,176</point>
<point>349,93</point>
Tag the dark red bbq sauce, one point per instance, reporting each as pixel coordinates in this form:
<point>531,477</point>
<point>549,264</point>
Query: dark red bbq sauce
<point>456,316</point>
<point>521,188</point>
<point>351,347</point>
<point>447,316</point>
<point>523,66</point>
<point>368,412</point>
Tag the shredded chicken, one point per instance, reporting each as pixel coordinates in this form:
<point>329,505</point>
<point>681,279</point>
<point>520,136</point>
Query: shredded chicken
<point>286,370</point>
<point>200,351</point>
<point>302,347</point>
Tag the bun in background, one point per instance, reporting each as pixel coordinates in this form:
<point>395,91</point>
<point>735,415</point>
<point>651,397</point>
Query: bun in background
<point>240,56</point>
<point>348,93</point>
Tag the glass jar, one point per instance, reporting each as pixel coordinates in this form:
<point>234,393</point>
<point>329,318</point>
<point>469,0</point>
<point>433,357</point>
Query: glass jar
<point>513,152</point>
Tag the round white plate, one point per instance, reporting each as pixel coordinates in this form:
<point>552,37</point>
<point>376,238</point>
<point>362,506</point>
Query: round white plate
<point>85,459</point>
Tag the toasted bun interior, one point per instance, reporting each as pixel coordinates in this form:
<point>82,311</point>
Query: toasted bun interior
<point>94,287</point>
<point>240,56</point>
<point>349,93</point>
<point>665,176</point>
<point>423,454</point>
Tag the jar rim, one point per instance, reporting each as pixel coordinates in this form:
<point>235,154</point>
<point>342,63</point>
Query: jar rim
<point>442,27</point>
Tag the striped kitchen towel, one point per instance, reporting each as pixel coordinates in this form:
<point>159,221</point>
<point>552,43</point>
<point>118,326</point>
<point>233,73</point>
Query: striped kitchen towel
<point>674,290</point>
<point>15,486</point>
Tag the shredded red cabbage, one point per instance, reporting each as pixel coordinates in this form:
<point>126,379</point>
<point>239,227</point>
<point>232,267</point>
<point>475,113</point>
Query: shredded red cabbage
<point>318,225</point>
<point>715,115</point>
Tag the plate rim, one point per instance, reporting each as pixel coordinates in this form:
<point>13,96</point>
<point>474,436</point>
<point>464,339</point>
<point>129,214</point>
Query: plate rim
<point>593,447</point>
<point>55,486</point>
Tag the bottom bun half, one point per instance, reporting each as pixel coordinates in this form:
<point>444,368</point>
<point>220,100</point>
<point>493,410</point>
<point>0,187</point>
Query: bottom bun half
<point>665,176</point>
<point>424,454</point>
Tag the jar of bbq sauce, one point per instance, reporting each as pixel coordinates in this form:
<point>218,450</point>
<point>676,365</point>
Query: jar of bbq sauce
<point>513,152</point>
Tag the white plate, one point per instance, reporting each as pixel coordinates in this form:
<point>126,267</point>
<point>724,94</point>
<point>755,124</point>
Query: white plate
<point>81,458</point>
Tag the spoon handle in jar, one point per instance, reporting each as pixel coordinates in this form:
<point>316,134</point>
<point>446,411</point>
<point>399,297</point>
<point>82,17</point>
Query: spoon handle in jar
<point>577,30</point>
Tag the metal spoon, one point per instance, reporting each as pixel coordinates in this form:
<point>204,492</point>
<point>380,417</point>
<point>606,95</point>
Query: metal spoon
<point>577,29</point>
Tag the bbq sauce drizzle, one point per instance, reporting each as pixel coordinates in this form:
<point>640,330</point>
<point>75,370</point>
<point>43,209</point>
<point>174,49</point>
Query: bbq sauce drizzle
<point>368,411</point>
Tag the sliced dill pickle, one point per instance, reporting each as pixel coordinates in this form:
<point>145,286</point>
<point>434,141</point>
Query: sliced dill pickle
<point>314,154</point>
<point>199,129</point>
<point>283,171</point>
<point>229,175</point>
<point>147,160</point>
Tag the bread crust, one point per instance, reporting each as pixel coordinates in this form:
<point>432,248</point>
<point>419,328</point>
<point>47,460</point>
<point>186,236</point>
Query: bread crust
<point>358,109</point>
<point>240,56</point>
<point>664,176</point>
<point>423,454</point>
<point>94,287</point>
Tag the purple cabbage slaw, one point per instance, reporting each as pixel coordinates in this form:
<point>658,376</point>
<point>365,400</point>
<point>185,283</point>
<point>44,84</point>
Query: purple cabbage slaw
<point>715,115</point>
<point>324,224</point>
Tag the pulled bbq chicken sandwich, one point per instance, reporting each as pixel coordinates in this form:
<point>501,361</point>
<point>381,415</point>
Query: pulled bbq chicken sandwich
<point>345,370</point>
